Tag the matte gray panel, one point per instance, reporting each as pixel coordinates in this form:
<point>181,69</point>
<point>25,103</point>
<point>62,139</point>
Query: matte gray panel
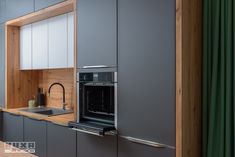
<point>2,11</point>
<point>61,141</point>
<point>17,8</point>
<point>35,131</point>
<point>40,4</point>
<point>97,32</point>
<point>12,127</point>
<point>2,65</point>
<point>94,146</point>
<point>146,69</point>
<point>1,122</point>
<point>128,149</point>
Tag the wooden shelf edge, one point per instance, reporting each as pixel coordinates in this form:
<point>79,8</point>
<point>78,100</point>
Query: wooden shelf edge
<point>58,9</point>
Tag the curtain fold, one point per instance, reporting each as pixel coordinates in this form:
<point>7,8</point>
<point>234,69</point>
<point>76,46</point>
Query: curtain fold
<point>218,78</point>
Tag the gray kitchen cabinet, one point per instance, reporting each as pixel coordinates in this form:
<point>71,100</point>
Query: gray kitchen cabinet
<point>2,11</point>
<point>35,131</point>
<point>95,146</point>
<point>1,121</point>
<point>16,8</point>
<point>127,149</point>
<point>97,33</point>
<point>40,4</point>
<point>61,141</point>
<point>2,65</point>
<point>12,127</point>
<point>146,75</point>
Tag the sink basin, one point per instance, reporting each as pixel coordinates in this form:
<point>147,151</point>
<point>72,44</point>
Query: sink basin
<point>46,111</point>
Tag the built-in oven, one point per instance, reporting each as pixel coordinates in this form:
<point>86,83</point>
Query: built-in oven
<point>97,102</point>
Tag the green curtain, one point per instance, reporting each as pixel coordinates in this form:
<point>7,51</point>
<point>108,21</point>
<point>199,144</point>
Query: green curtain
<point>218,78</point>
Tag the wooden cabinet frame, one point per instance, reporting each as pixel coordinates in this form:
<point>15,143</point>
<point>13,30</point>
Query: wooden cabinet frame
<point>20,85</point>
<point>188,77</point>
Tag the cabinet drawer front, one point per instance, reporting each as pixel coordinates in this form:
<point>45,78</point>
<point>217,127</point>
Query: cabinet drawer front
<point>95,146</point>
<point>97,33</point>
<point>12,127</point>
<point>40,45</point>
<point>57,37</point>
<point>26,47</point>
<point>146,70</point>
<point>130,149</point>
<point>61,141</point>
<point>35,131</point>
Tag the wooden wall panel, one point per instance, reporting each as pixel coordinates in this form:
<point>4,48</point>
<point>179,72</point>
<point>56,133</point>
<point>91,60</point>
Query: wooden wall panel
<point>63,76</point>
<point>188,77</point>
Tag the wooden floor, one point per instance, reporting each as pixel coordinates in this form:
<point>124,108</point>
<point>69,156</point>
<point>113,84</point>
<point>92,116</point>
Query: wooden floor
<point>3,154</point>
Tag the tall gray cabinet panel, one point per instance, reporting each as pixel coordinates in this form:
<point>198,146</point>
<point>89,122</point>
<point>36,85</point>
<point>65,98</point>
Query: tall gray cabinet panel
<point>40,4</point>
<point>94,146</point>
<point>16,8</point>
<point>146,72</point>
<point>2,65</point>
<point>12,127</point>
<point>97,32</point>
<point>35,131</point>
<point>1,121</point>
<point>2,11</point>
<point>61,141</point>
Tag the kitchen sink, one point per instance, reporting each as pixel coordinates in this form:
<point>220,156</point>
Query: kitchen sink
<point>47,111</point>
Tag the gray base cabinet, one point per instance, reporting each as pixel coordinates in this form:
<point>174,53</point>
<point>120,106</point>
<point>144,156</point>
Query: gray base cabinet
<point>128,149</point>
<point>12,128</point>
<point>2,65</point>
<point>40,4</point>
<point>35,131</point>
<point>94,146</point>
<point>61,141</point>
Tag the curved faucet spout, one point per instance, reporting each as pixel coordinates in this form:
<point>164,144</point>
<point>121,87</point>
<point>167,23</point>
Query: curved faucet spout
<point>57,83</point>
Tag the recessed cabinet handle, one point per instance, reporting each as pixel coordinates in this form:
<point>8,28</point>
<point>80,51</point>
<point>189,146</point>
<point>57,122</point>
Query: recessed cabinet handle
<point>146,142</point>
<point>95,66</point>
<point>86,131</point>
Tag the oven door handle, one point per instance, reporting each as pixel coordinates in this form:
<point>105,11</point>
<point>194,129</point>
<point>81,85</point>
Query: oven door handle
<point>87,132</point>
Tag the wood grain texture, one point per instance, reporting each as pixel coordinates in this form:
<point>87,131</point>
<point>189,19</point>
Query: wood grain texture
<point>179,124</point>
<point>188,77</point>
<point>63,76</point>
<point>20,85</point>
<point>58,9</point>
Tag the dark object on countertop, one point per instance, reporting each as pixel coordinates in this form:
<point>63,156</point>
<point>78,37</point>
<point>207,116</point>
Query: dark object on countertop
<point>40,97</point>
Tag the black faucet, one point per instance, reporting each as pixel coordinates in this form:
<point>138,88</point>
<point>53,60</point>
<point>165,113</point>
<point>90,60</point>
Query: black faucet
<point>49,91</point>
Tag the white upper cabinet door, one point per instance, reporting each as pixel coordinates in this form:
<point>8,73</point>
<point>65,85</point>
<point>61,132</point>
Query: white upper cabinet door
<point>40,45</point>
<point>26,47</point>
<point>58,42</point>
<point>71,40</point>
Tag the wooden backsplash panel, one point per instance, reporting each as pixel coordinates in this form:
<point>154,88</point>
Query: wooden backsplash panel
<point>63,76</point>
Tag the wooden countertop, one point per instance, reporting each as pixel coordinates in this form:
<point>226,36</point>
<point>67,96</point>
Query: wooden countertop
<point>59,119</point>
<point>3,154</point>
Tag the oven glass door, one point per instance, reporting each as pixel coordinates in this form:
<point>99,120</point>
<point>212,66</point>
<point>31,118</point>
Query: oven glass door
<point>98,102</point>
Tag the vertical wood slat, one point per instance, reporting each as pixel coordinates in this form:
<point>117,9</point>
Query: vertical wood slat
<point>188,77</point>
